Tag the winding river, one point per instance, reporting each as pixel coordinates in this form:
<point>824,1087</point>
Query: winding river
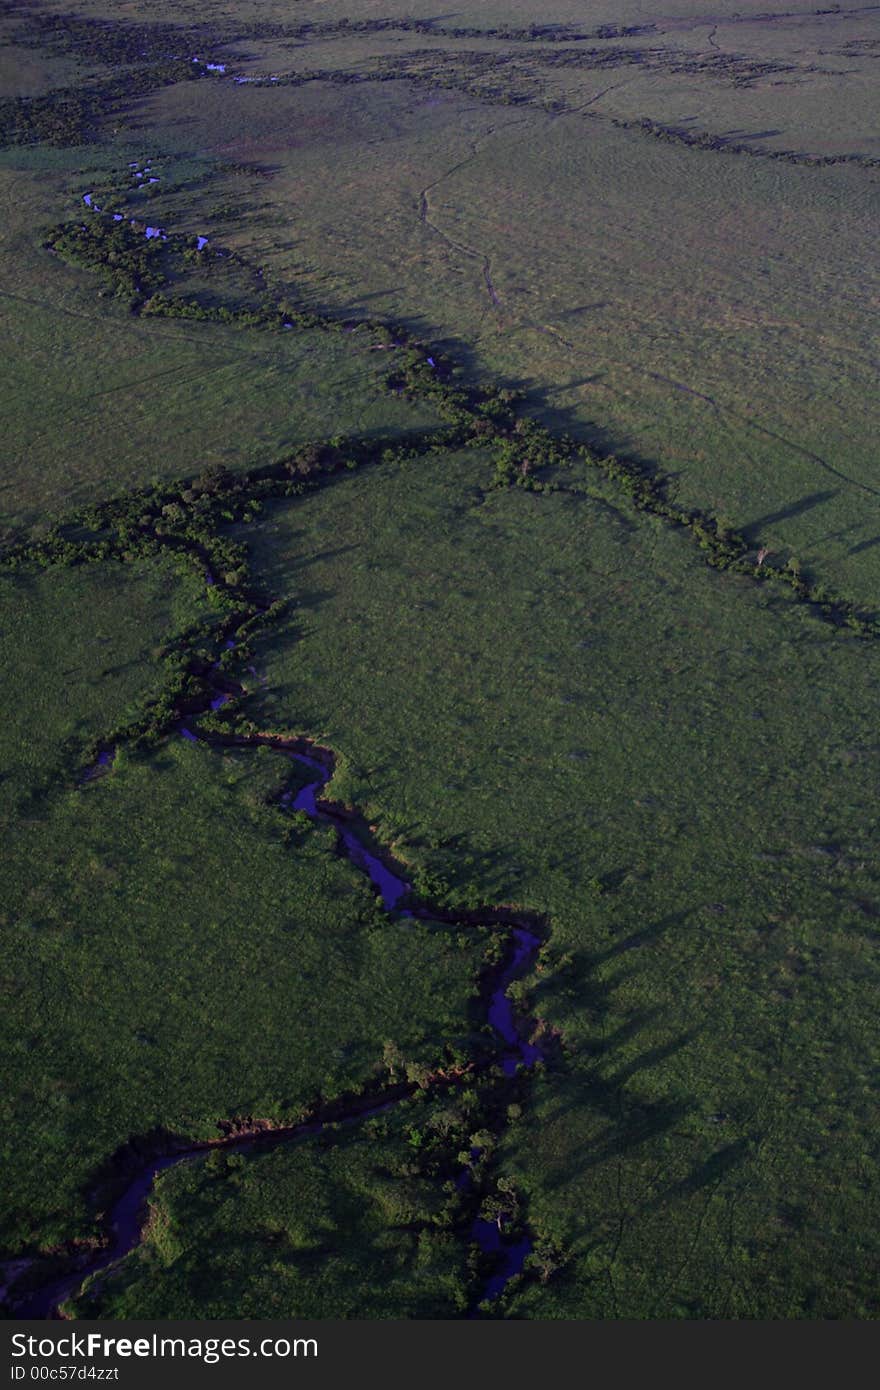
<point>127,1217</point>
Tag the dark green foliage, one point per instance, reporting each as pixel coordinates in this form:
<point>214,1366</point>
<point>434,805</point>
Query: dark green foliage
<point>724,144</point>
<point>362,1222</point>
<point>689,798</point>
<point>127,261</point>
<point>233,966</point>
<point>76,115</point>
<point>546,680</point>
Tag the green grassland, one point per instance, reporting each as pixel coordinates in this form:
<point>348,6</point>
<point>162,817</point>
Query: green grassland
<point>647,301</point>
<point>79,651</point>
<point>543,699</point>
<point>667,300</point>
<point>32,73</point>
<point>349,1225</point>
<point>99,401</point>
<point>178,954</point>
<point>570,696</point>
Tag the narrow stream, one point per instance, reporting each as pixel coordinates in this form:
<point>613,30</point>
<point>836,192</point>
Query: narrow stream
<point>388,885</point>
<point>127,1215</point>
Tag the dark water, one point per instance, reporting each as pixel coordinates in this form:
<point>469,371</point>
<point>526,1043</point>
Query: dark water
<point>388,885</point>
<point>465,1180</point>
<point>125,1229</point>
<point>126,1216</point>
<point>501,1016</point>
<point>510,1255</point>
<point>101,763</point>
<point>151,233</point>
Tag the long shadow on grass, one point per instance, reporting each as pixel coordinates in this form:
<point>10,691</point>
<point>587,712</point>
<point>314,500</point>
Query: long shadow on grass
<point>710,1171</point>
<point>864,545</point>
<point>647,936</point>
<point>633,1122</point>
<point>599,1082</point>
<point>804,504</point>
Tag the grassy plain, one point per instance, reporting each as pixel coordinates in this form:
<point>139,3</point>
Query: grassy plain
<point>544,699</point>
<point>79,655</point>
<point>29,72</point>
<point>179,954</point>
<point>644,292</point>
<point>99,401</point>
<point>347,1228</point>
<point>540,698</point>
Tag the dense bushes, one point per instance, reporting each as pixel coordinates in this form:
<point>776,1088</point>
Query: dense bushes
<point>74,115</point>
<point>186,519</point>
<point>127,261</point>
<point>703,140</point>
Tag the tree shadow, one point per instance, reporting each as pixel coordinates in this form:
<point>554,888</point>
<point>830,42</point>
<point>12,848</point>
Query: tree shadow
<point>708,1173</point>
<point>864,545</point>
<point>645,937</point>
<point>633,1121</point>
<point>804,504</point>
<point>302,562</point>
<point>598,1048</point>
<point>584,308</point>
<point>314,599</point>
<point>739,134</point>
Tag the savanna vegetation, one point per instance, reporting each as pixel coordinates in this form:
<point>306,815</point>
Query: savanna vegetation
<point>179,954</point>
<point>358,1222</point>
<point>476,400</point>
<point>572,714</point>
